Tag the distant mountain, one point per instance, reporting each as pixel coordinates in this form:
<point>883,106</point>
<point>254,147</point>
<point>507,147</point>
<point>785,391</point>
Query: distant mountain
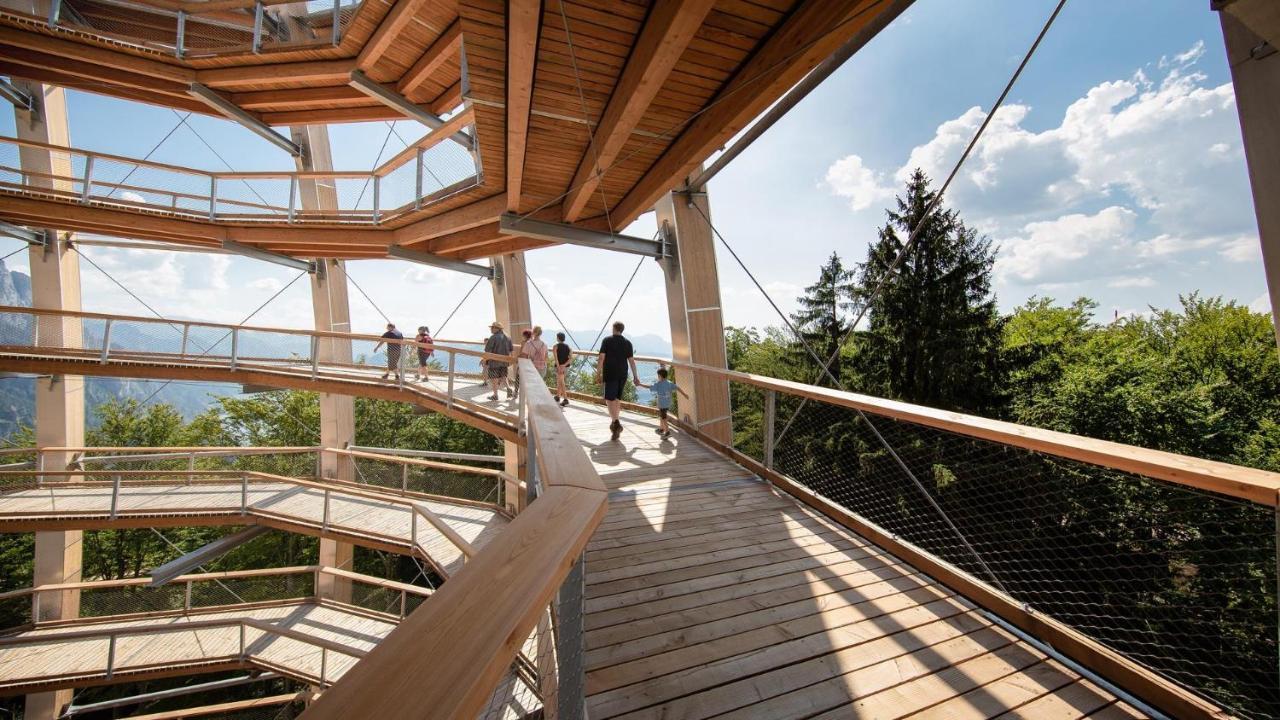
<point>17,394</point>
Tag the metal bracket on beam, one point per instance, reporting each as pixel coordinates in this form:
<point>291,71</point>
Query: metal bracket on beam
<point>20,99</point>
<point>512,224</point>
<point>167,572</point>
<point>439,261</point>
<point>32,237</point>
<point>268,256</point>
<point>400,103</point>
<point>238,114</point>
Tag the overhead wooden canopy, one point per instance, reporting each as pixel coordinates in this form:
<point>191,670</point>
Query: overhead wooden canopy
<point>585,112</point>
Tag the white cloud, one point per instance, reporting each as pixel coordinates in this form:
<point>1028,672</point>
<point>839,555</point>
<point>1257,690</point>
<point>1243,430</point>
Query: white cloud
<point>1242,249</point>
<point>848,177</point>
<point>1132,281</point>
<point>1262,303</point>
<point>1139,178</point>
<point>1063,248</point>
<point>269,284</point>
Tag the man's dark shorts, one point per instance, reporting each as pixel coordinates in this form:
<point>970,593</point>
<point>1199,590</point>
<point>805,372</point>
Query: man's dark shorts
<point>613,389</point>
<point>662,412</point>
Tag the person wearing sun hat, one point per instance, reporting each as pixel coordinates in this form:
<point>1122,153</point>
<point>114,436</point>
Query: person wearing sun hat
<point>495,370</point>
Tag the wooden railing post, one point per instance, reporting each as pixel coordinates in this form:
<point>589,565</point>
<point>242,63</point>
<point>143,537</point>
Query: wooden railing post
<point>87,183</point>
<point>111,657</point>
<point>106,342</point>
<point>417,192</point>
<point>453,359</point>
<point>257,27</point>
<point>179,44</point>
<point>324,525</point>
<point>115,497</point>
<point>770,412</point>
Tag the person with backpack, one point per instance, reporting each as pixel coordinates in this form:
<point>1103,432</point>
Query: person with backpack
<point>563,358</point>
<point>423,338</point>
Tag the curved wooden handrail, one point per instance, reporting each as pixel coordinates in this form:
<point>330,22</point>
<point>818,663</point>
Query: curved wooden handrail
<point>450,654</point>
<point>1257,486</point>
<point>328,334</point>
<point>346,487</point>
<point>455,124</point>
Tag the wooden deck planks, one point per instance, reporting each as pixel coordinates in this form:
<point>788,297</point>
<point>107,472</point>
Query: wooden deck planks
<point>297,506</point>
<point>711,594</point>
<point>86,658</point>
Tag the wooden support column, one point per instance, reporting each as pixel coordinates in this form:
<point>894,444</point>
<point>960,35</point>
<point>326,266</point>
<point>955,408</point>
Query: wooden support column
<point>1255,73</point>
<point>55,284</point>
<point>332,312</point>
<point>511,308</point>
<point>693,303</point>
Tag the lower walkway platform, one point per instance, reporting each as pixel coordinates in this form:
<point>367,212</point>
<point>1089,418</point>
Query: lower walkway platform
<point>710,594</point>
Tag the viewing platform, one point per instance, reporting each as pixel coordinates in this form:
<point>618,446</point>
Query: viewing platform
<point>711,584</point>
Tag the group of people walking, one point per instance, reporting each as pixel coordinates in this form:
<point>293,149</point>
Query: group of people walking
<point>615,363</point>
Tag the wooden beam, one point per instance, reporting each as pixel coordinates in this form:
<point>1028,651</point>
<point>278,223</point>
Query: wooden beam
<point>524,18</point>
<point>502,246</point>
<point>463,218</point>
<point>388,30</point>
<point>281,100</point>
<point>89,70</point>
<point>447,46</point>
<point>463,239</point>
<point>221,708</point>
<point>447,100</point>
<point>88,53</point>
<point>53,77</point>
<point>795,48</point>
<point>129,224</point>
<point>666,33</point>
<point>331,71</point>
<point>1256,80</point>
<point>363,113</point>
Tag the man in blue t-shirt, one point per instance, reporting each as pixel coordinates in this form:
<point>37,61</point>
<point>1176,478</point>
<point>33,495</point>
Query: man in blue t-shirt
<point>611,369</point>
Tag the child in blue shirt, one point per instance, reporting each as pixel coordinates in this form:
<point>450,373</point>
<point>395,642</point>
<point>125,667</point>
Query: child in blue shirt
<point>662,390</point>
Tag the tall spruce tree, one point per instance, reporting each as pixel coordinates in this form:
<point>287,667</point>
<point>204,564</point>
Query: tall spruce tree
<point>822,318</point>
<point>934,334</point>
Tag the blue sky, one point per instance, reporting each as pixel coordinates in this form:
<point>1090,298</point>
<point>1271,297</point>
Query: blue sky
<point>1115,171</point>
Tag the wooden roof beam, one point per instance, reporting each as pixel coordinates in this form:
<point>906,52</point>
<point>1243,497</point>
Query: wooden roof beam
<point>100,56</point>
<point>447,46</point>
<point>811,33</point>
<point>52,77</point>
<point>466,217</point>
<point>388,30</point>
<point>326,71</point>
<point>524,19</point>
<point>666,34</point>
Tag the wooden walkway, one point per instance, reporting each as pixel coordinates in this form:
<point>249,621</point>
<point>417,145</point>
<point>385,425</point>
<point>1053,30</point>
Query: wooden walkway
<point>296,508</point>
<point>711,595</point>
<point>62,662</point>
<point>311,648</point>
